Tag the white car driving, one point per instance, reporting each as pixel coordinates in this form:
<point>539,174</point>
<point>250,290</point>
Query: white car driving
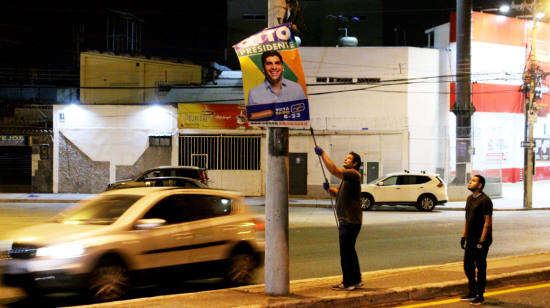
<point>423,190</point>
<point>129,237</point>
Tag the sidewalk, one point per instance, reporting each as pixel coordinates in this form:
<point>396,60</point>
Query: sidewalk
<point>512,199</point>
<point>381,287</point>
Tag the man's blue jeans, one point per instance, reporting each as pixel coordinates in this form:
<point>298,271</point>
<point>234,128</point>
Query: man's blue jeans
<point>348,256</point>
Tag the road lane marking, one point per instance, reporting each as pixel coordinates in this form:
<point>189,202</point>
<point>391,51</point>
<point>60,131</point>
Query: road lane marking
<point>456,300</point>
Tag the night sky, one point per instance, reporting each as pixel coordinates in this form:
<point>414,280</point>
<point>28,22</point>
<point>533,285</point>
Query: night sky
<point>39,34</point>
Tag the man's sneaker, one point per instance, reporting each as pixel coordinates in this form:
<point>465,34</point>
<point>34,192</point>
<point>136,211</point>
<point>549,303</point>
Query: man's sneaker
<point>468,297</point>
<point>478,300</point>
<point>342,287</point>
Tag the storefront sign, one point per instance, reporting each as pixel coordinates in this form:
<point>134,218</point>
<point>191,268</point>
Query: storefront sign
<point>210,116</point>
<point>12,140</point>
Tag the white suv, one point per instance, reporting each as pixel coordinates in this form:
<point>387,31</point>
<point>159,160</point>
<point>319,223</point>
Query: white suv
<point>129,237</point>
<point>422,190</point>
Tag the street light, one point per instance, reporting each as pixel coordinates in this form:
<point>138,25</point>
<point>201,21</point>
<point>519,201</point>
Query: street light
<point>503,8</point>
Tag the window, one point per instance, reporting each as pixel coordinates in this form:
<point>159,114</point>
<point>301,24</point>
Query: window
<point>185,208</point>
<point>220,152</point>
<point>390,181</point>
<point>255,17</point>
<point>173,209</point>
<point>160,141</point>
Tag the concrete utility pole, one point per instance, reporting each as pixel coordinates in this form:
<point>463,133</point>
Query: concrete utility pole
<point>463,107</point>
<point>530,111</point>
<point>277,277</point>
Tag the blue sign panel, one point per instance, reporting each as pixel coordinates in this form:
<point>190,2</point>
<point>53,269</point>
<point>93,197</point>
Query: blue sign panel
<point>12,140</point>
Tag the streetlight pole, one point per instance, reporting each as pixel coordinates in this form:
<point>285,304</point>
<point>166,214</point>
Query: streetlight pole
<point>530,112</point>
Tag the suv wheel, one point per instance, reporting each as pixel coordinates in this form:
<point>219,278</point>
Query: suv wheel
<point>109,281</point>
<point>426,203</point>
<point>240,268</point>
<point>366,202</point>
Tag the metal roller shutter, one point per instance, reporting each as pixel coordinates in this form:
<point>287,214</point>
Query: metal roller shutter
<point>15,169</point>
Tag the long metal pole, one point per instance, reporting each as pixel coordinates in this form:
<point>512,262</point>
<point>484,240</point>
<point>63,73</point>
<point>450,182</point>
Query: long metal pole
<point>326,180</point>
<point>277,269</point>
<point>528,163</point>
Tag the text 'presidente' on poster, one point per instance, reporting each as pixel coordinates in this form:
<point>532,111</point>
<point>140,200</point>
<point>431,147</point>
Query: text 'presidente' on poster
<point>273,79</point>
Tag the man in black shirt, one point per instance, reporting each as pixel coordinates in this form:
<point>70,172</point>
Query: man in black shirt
<point>349,213</point>
<point>476,239</point>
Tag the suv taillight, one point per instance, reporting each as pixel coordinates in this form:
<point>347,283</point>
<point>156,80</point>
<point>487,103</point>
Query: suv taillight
<point>259,225</point>
<point>440,185</point>
<point>203,179</point>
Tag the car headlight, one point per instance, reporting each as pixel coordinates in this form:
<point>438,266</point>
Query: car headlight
<point>61,251</point>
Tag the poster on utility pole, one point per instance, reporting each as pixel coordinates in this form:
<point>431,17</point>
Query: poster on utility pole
<point>274,85</point>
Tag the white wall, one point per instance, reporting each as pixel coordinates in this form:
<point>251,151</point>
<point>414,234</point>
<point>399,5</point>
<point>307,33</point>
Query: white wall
<point>118,134</point>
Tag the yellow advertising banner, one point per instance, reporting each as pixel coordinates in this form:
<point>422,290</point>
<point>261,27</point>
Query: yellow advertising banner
<point>274,84</point>
<point>210,116</point>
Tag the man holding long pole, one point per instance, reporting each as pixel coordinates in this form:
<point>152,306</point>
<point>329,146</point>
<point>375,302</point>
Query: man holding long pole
<point>349,214</point>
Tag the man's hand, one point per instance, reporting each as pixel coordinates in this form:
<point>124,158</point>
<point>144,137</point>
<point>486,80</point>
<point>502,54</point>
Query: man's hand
<point>319,151</point>
<point>481,244</point>
<point>463,242</point>
<point>326,185</point>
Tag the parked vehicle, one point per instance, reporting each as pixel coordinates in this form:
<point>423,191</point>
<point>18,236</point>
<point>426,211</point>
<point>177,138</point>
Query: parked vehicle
<point>142,180</point>
<point>422,190</point>
<point>130,237</point>
<point>168,181</point>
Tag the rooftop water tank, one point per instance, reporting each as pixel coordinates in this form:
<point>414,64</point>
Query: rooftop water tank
<point>348,41</point>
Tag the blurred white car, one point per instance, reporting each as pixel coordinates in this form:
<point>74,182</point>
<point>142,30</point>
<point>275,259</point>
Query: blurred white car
<point>125,238</point>
<point>423,190</point>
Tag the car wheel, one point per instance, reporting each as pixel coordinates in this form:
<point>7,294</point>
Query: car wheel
<point>109,281</point>
<point>426,203</point>
<point>366,202</point>
<point>240,268</point>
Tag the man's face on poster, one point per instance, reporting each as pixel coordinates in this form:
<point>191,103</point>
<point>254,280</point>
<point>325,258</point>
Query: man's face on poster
<point>273,69</point>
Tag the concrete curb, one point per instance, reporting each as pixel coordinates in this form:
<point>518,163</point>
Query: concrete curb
<point>421,292</point>
<point>344,299</point>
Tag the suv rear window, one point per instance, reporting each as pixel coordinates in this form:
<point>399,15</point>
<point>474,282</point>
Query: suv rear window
<point>194,174</point>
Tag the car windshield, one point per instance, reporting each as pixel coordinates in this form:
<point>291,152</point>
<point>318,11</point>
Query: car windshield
<point>103,210</point>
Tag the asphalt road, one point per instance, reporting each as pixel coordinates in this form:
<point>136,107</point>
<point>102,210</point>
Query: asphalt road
<point>390,238</point>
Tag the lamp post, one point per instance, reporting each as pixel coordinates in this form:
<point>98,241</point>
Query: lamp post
<point>530,110</point>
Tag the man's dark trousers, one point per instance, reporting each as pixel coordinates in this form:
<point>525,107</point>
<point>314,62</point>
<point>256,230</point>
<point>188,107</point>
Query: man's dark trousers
<point>476,258</point>
<point>348,256</point>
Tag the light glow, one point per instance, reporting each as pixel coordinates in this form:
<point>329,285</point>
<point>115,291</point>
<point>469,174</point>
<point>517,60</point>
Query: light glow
<point>61,251</point>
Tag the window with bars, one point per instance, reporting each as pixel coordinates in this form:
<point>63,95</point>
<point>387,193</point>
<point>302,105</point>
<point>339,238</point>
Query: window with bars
<point>220,152</point>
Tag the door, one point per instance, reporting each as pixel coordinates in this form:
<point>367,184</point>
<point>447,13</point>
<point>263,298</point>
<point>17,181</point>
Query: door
<point>15,169</point>
<point>413,186</point>
<point>297,180</point>
<point>373,170</point>
<point>390,191</point>
<point>167,245</point>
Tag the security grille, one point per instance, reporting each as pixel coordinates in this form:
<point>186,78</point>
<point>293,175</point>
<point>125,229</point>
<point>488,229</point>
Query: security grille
<point>220,152</point>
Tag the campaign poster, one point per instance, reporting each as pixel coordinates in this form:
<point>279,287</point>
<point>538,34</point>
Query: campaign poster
<point>274,85</point>
<point>206,116</point>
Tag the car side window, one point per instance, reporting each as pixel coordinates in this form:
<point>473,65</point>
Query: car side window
<point>422,179</point>
<point>390,181</point>
<point>409,179</point>
<point>210,206</point>
<point>184,183</point>
<point>173,209</point>
<point>189,174</point>
<point>153,174</point>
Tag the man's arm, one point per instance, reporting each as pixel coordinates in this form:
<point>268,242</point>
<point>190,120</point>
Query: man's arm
<point>333,191</point>
<point>487,226</point>
<point>331,167</point>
